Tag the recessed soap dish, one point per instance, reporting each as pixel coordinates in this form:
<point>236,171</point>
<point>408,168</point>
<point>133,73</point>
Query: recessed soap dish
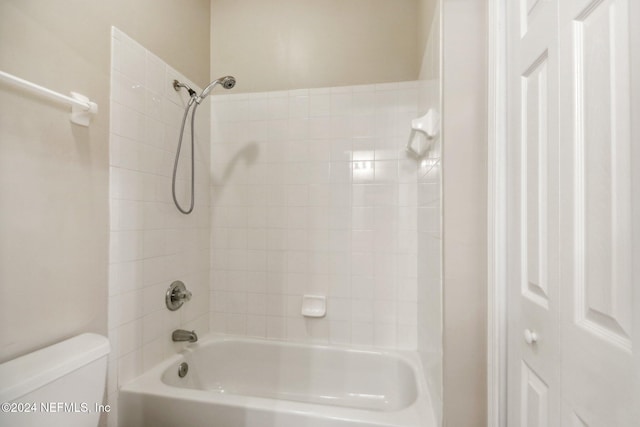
<point>314,305</point>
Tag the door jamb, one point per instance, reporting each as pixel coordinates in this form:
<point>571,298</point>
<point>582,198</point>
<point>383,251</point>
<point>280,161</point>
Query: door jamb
<point>496,215</point>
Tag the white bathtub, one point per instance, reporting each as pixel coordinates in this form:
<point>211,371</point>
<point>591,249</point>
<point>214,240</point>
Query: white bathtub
<point>240,382</point>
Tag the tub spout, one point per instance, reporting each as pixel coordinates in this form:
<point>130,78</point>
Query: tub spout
<point>182,335</point>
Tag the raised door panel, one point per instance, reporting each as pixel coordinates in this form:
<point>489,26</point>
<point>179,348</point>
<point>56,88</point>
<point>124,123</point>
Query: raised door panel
<point>534,395</point>
<point>598,377</point>
<point>603,197</point>
<point>534,141</point>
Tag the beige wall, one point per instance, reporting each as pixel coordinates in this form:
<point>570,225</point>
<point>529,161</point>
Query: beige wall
<point>54,175</point>
<point>427,13</point>
<point>465,206</point>
<point>292,44</point>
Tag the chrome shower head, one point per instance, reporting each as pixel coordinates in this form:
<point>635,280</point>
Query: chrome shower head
<point>227,82</point>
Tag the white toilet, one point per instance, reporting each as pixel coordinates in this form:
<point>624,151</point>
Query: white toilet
<point>60,385</point>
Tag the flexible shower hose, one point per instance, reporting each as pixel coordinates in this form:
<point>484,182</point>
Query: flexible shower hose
<point>175,164</point>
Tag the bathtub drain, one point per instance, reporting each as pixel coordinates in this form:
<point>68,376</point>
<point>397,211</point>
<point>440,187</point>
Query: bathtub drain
<point>183,369</point>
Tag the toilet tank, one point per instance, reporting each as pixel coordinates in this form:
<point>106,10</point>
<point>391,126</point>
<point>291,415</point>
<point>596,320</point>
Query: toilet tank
<point>60,385</point>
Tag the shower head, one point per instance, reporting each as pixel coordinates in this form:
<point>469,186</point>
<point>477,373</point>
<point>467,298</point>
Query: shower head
<point>227,82</point>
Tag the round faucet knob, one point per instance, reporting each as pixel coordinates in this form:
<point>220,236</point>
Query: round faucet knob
<point>176,295</point>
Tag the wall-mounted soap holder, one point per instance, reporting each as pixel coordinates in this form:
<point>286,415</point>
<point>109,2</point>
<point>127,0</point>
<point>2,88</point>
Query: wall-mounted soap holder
<point>427,125</point>
<point>314,305</point>
<point>176,295</point>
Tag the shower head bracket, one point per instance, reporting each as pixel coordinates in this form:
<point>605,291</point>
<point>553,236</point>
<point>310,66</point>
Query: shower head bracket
<point>179,85</point>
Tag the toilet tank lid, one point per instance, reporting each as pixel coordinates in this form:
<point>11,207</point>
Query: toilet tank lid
<point>34,370</point>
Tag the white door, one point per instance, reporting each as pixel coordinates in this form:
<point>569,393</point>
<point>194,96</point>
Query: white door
<point>533,215</point>
<point>573,213</point>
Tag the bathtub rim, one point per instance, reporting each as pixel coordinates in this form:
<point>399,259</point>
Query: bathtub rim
<point>150,383</point>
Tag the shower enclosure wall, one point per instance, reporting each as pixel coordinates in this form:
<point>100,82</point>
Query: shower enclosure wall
<point>305,191</point>
<point>151,242</point>
<point>312,193</point>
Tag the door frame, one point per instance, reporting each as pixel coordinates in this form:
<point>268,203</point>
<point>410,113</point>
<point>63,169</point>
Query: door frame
<point>496,215</point>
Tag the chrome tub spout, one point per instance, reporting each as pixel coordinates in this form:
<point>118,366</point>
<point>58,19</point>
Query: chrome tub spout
<point>182,335</point>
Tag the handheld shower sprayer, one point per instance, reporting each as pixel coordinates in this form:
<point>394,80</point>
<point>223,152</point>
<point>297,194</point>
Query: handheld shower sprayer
<point>227,82</point>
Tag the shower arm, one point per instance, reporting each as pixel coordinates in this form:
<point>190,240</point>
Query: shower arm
<point>178,85</point>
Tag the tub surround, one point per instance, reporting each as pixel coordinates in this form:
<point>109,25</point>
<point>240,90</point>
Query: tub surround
<point>313,193</point>
<point>152,244</point>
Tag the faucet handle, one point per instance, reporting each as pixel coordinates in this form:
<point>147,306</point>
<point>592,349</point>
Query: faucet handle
<point>182,295</point>
<point>176,295</point>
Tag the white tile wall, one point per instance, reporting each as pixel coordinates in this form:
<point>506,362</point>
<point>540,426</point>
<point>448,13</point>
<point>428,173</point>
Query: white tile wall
<point>152,244</point>
<point>312,192</point>
<point>305,191</point>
